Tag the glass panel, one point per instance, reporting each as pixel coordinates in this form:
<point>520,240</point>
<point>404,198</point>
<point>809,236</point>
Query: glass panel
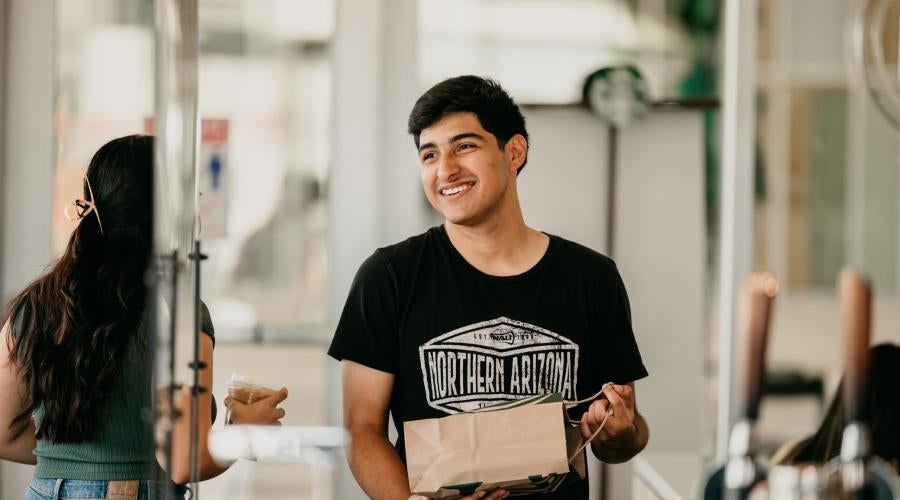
<point>265,83</point>
<point>828,158</point>
<point>104,68</point>
<point>542,50</point>
<point>827,172</point>
<point>265,94</point>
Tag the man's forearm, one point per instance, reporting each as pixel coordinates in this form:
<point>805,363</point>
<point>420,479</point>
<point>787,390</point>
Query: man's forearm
<point>377,466</point>
<point>619,453</point>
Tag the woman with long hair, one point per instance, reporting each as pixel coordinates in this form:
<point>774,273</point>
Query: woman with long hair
<point>75,360</point>
<point>881,411</point>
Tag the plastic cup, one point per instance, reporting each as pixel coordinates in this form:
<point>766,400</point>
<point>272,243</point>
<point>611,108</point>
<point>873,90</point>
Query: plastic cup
<point>247,391</point>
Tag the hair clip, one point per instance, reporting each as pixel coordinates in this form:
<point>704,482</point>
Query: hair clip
<point>79,208</point>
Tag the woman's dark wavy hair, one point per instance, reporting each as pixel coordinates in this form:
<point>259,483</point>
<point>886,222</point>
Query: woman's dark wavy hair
<point>72,326</point>
<point>484,97</point>
<point>881,412</point>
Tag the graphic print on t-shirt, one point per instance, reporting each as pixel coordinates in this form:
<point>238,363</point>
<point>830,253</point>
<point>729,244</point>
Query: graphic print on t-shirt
<point>494,361</point>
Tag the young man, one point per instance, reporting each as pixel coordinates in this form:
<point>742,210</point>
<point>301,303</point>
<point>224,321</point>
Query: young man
<point>483,308</point>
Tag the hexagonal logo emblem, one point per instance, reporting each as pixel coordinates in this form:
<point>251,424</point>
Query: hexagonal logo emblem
<point>495,361</point>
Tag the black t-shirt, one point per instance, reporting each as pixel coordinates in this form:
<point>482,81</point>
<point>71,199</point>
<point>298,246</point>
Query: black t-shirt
<point>457,339</point>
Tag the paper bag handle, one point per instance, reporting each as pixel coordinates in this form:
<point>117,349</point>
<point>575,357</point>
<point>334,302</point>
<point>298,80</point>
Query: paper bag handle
<point>596,395</point>
<point>584,442</point>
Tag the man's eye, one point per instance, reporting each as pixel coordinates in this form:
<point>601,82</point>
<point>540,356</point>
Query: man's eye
<point>466,146</point>
<point>428,156</point>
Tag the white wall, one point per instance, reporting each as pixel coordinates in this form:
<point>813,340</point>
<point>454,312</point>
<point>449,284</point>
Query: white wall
<point>352,190</point>
<point>563,186</point>
<point>660,248</point>
<point>28,156</point>
<point>4,19</point>
<point>374,196</point>
<point>27,160</point>
<point>661,251</point>
<point>660,241</point>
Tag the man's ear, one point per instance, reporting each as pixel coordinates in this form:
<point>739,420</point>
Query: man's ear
<point>516,151</point>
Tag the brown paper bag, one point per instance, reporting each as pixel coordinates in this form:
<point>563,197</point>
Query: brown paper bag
<point>523,446</point>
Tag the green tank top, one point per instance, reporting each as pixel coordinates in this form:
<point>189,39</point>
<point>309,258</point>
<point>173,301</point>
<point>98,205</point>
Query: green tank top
<point>125,447</point>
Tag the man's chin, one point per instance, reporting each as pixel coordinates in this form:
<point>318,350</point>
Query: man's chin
<point>461,220</point>
<point>462,216</point>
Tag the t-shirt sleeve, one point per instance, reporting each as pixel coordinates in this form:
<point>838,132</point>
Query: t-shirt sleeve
<point>206,324</point>
<point>367,331</point>
<point>621,343</point>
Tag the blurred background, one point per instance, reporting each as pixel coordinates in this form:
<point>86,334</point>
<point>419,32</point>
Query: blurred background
<point>306,167</point>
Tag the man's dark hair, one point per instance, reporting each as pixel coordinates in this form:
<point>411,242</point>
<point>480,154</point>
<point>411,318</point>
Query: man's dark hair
<point>484,97</point>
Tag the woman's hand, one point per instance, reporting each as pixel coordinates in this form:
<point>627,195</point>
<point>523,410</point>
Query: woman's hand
<point>262,412</point>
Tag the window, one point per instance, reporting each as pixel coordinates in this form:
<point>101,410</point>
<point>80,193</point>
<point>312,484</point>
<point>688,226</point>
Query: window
<point>264,101</point>
<point>542,50</point>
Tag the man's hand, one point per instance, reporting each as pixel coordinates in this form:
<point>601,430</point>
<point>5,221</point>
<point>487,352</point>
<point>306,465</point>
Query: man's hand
<point>619,429</point>
<point>483,495</point>
<point>625,433</point>
<point>262,412</point>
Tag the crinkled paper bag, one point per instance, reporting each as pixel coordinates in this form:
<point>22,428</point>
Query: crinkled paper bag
<point>522,446</point>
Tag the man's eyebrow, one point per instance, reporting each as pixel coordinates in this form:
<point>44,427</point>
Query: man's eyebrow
<point>465,135</point>
<point>455,138</point>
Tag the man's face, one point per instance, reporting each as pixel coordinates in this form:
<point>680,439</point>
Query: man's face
<point>464,172</point>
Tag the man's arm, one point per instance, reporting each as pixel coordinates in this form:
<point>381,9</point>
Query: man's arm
<point>16,442</point>
<point>374,461</point>
<point>625,433</point>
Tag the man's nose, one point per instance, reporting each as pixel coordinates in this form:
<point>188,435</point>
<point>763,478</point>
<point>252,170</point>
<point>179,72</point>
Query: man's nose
<point>448,167</point>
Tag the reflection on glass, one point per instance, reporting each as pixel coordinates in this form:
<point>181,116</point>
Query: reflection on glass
<point>542,50</point>
<point>265,76</point>
<point>264,87</point>
<point>875,47</point>
<point>104,87</point>
<point>826,196</point>
<point>827,160</point>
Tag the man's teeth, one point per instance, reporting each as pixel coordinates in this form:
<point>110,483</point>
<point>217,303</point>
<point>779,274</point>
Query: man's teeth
<point>454,190</point>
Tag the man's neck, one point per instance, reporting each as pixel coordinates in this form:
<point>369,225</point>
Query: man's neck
<point>499,249</point>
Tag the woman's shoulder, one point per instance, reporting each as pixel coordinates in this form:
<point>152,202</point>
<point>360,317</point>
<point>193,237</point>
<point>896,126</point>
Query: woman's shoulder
<point>18,318</point>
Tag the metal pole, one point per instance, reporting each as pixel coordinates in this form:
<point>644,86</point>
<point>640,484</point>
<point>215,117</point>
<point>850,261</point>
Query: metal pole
<point>611,167</point>
<point>175,205</point>
<point>736,217</point>
<point>164,278</point>
<point>173,413</point>
<point>4,16</point>
<point>196,365</point>
<point>612,139</point>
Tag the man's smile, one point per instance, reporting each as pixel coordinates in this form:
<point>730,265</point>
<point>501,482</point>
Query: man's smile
<point>456,190</point>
